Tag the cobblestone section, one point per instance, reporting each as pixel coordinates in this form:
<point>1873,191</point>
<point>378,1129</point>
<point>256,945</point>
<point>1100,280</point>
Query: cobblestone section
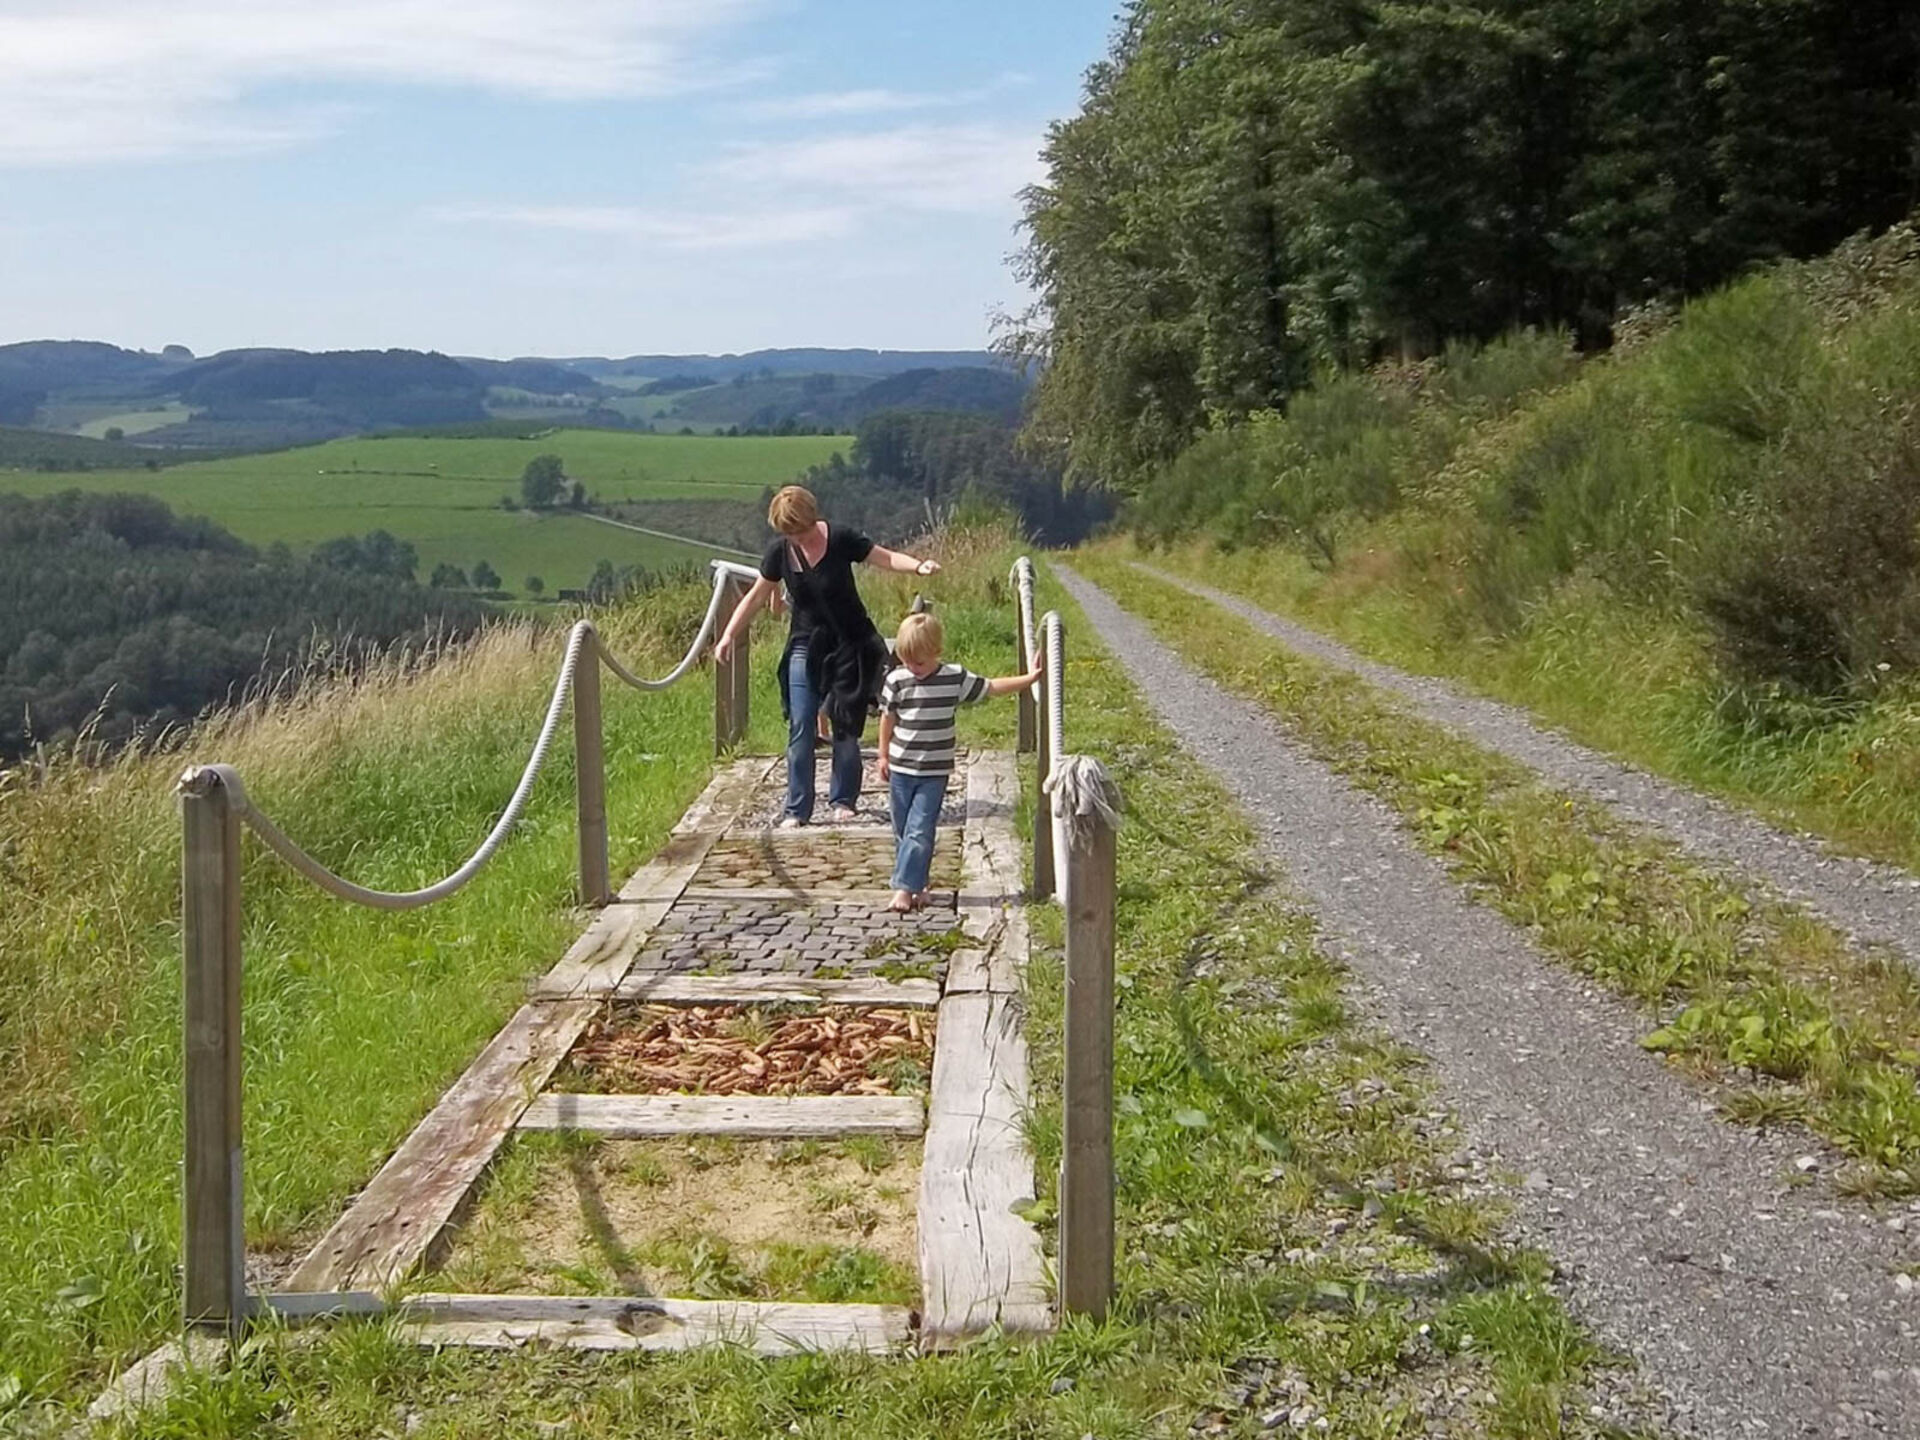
<point>825,861</point>
<point>833,923</point>
<point>783,937</point>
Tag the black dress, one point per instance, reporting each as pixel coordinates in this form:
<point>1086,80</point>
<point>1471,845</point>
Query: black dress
<point>846,658</point>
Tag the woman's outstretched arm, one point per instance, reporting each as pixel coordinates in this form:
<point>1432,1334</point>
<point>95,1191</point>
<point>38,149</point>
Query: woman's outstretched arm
<point>882,558</point>
<point>758,594</point>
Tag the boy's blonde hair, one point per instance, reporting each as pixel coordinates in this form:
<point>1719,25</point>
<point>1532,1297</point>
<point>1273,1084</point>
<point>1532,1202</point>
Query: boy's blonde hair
<point>920,639</point>
<point>794,510</point>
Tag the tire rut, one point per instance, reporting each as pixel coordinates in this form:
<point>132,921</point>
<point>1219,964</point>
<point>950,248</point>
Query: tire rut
<point>1872,903</point>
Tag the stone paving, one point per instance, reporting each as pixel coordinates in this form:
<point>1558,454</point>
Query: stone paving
<point>732,918</point>
<point>823,939</point>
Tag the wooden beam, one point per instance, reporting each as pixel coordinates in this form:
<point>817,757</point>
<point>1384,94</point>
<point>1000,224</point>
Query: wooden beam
<point>748,1117</point>
<point>991,902</point>
<point>1086,1166</point>
<point>980,1263</point>
<point>936,899</point>
<point>776,990</point>
<point>730,677</point>
<point>214,1237</point>
<point>395,1222</point>
<point>618,1323</point>
<point>590,775</point>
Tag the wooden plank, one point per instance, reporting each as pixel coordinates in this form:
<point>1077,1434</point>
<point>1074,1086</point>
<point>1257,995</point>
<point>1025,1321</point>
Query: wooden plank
<point>400,1216</point>
<point>992,902</point>
<point>938,899</point>
<point>618,1323</point>
<point>776,990</point>
<point>751,1117</point>
<point>980,1263</point>
<point>606,948</point>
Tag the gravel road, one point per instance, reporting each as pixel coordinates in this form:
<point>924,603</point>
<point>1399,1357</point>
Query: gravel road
<point>1871,902</point>
<point>1761,1304</point>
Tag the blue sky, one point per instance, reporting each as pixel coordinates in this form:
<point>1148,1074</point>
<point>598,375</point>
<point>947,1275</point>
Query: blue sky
<point>505,177</point>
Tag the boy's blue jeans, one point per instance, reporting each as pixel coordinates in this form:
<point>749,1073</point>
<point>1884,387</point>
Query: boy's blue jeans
<point>916,814</point>
<point>803,710</point>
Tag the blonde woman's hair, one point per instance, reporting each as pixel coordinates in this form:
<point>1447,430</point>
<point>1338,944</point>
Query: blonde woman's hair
<point>794,510</point>
<point>920,639</point>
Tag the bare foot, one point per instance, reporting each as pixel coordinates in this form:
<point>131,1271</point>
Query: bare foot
<point>902,902</point>
<point>920,898</point>
<point>843,814</point>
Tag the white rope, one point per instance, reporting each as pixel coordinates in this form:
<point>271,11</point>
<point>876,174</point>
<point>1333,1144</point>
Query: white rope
<point>694,651</point>
<point>198,779</point>
<point>1055,721</point>
<point>1054,656</point>
<point>1023,590</point>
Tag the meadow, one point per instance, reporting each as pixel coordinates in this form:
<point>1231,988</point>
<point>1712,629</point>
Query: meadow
<point>442,495</point>
<point>1239,1134</point>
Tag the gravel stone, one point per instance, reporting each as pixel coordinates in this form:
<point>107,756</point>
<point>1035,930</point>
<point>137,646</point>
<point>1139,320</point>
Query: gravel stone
<point>1873,903</point>
<point>1684,1241</point>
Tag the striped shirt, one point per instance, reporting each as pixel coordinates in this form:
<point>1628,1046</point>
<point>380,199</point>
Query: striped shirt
<point>923,710</point>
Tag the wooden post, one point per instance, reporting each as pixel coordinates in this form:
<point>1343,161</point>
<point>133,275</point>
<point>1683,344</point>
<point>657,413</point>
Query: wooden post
<point>1086,1165</point>
<point>214,1236</point>
<point>1042,814</point>
<point>590,775</point>
<point>730,679</point>
<point>742,676</point>
<point>1029,712</point>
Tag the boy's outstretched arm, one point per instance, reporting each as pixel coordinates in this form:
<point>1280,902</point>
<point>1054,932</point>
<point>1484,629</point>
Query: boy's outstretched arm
<point>1013,684</point>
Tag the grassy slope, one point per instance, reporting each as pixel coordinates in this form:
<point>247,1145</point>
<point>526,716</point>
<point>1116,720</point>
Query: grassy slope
<point>443,495</point>
<point>1258,1123</point>
<point>355,1019</point>
<point>1586,611</point>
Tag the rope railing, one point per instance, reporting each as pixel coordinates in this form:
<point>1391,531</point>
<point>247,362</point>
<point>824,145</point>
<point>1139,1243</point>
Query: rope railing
<point>215,807</point>
<point>582,641</point>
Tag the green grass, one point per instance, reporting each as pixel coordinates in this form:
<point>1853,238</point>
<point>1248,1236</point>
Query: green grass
<point>1632,680</point>
<point>355,1019</point>
<point>1753,992</point>
<point>443,494</point>
<point>1259,1125</point>
<point>1669,551</point>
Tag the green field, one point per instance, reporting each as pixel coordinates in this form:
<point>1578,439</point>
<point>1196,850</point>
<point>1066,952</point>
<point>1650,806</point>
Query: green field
<point>443,495</point>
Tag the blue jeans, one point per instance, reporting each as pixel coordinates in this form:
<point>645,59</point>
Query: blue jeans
<point>916,814</point>
<point>803,710</point>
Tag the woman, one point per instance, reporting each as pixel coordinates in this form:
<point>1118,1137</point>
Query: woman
<point>835,659</point>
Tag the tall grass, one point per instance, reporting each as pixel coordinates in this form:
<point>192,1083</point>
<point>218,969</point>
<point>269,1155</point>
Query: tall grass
<point>354,1019</point>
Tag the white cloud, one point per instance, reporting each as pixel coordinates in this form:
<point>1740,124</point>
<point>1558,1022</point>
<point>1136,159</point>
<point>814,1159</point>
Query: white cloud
<point>919,167</point>
<point>827,104</point>
<point>125,79</point>
<point>667,230</point>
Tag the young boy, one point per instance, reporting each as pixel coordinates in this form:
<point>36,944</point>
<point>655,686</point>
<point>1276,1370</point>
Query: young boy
<point>917,706</point>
